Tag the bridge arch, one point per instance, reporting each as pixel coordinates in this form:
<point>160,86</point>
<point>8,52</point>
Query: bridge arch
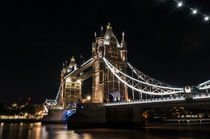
<point>116,96</point>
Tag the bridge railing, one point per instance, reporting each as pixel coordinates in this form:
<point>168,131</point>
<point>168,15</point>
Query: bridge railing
<point>197,96</point>
<point>144,101</point>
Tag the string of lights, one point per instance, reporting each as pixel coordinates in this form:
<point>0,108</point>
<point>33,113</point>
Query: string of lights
<point>194,11</point>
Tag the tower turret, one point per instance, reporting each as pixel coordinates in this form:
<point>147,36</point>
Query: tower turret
<point>72,65</point>
<point>109,34</point>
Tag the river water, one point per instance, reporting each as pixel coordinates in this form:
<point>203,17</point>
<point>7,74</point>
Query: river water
<point>59,131</point>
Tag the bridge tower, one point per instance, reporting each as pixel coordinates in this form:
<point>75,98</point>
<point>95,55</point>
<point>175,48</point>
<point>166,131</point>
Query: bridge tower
<point>106,45</point>
<point>71,87</point>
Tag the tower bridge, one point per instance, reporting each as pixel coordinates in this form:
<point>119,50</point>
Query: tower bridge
<point>115,82</point>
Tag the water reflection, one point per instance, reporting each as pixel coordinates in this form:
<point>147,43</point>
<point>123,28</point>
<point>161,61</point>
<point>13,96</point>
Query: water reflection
<point>57,131</point>
<point>1,129</point>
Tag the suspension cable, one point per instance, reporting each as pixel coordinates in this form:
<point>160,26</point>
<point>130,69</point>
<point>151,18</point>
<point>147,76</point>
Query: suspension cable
<point>134,88</point>
<point>149,84</point>
<point>142,76</point>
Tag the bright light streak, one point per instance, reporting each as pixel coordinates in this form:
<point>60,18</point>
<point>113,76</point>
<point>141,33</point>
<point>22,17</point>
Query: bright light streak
<point>91,59</point>
<point>146,101</point>
<point>204,83</point>
<point>136,89</point>
<point>141,75</point>
<point>112,68</point>
<point>205,87</point>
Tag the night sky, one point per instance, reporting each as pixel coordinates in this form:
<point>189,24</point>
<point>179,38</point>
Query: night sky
<point>165,42</point>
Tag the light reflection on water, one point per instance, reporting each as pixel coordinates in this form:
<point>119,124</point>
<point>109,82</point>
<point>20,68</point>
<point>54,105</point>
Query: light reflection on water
<point>35,131</point>
<point>59,131</point>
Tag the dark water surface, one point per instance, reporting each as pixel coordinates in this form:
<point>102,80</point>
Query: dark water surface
<point>59,131</point>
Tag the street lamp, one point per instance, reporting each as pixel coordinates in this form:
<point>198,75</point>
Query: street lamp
<point>88,98</point>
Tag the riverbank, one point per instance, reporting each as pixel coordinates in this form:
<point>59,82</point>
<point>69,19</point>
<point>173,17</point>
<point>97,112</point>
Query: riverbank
<point>19,120</point>
<point>30,121</point>
<point>114,125</point>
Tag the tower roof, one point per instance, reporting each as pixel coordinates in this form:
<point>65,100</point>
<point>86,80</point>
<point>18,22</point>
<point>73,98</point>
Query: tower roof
<point>109,34</point>
<point>72,59</point>
<point>72,64</point>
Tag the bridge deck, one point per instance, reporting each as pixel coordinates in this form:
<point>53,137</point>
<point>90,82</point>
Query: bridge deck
<point>202,96</point>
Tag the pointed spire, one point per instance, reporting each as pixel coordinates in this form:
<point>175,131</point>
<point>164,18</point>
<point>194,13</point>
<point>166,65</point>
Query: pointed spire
<point>102,32</point>
<point>123,43</point>
<point>109,26</point>
<point>72,59</point>
<point>95,37</point>
<point>123,37</point>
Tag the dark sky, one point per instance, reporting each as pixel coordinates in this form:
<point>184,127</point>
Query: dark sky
<point>164,42</point>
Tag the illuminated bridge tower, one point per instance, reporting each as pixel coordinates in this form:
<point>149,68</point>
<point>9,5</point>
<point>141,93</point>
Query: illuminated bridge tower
<point>71,87</point>
<point>104,83</point>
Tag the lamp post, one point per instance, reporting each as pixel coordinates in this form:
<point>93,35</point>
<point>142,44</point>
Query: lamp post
<point>88,98</point>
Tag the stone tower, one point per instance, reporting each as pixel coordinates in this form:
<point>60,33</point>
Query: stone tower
<point>106,45</point>
<point>72,91</point>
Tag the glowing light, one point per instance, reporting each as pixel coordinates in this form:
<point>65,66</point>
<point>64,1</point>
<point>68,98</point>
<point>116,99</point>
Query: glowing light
<point>68,80</point>
<point>195,11</point>
<point>90,60</point>
<point>78,81</point>
<point>145,101</point>
<point>88,98</point>
<point>106,42</point>
<point>187,89</point>
<point>137,89</point>
<point>29,99</point>
<point>206,18</point>
<point>180,4</point>
<point>113,69</point>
